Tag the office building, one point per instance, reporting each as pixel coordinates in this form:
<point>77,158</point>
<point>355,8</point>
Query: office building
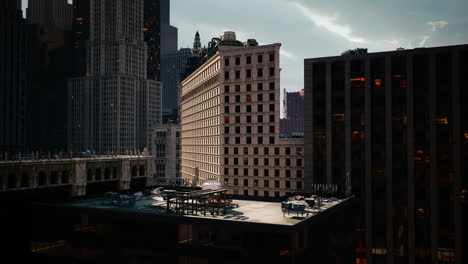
<point>114,108</point>
<point>56,13</point>
<point>174,67</point>
<point>15,60</point>
<point>230,113</point>
<point>81,29</point>
<point>293,123</point>
<point>166,152</point>
<point>396,123</point>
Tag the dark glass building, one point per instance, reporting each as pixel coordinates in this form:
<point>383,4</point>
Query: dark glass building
<point>396,123</point>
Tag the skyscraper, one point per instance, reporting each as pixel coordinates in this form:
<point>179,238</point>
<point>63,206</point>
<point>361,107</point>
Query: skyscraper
<point>293,123</point>
<point>230,123</point>
<point>396,123</point>
<point>81,29</point>
<point>15,58</point>
<point>57,13</point>
<point>116,107</point>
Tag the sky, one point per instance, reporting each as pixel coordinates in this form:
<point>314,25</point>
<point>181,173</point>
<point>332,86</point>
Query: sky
<point>319,28</point>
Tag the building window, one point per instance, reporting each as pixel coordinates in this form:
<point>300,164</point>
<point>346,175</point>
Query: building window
<point>246,182</point>
<point>249,60</point>
<point>226,89</point>
<point>249,140</point>
<point>288,184</point>
<point>255,151</point>
<point>226,181</point>
<point>259,86</point>
<point>226,161</point>
<point>237,60</point>
<point>255,183</point>
<point>277,184</point>
<point>277,151</point>
<point>226,151</point>
<point>236,151</point>
<point>226,99</point>
<point>260,129</point>
<point>246,161</point>
<point>272,86</point>
<point>227,119</point>
<point>249,129</point>
<point>248,73</point>
<point>246,192</point>
<point>249,87</point>
<point>226,62</point>
<point>237,88</point>
<point>236,171</point>
<point>226,76</point>
<point>226,171</point>
<point>272,118</point>
<point>266,151</point>
<point>299,174</point>
<point>299,151</point>
<point>277,162</point>
<point>260,58</point>
<point>236,161</point>
<point>237,98</point>
<point>272,107</point>
<point>272,57</point>
<point>277,173</point>
<point>266,162</point>
<point>226,140</point>
<point>272,96</point>
<point>249,119</point>
<point>236,182</point>
<point>272,140</point>
<point>237,75</point>
<point>248,98</point>
<point>260,97</point>
<point>237,108</point>
<point>256,171</point>
<point>299,162</point>
<point>260,119</point>
<point>299,185</point>
<point>237,130</point>
<point>237,140</point>
<point>255,161</point>
<point>237,119</point>
<point>288,151</point>
<point>226,130</point>
<point>272,71</point>
<point>260,108</point>
<point>288,162</point>
<point>259,72</point>
<point>260,140</point>
<point>249,108</point>
<point>287,173</point>
<point>246,172</point>
<point>235,192</point>
<point>272,129</point>
<point>226,109</point>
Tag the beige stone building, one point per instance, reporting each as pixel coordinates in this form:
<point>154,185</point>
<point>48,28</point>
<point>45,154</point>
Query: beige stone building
<point>230,118</point>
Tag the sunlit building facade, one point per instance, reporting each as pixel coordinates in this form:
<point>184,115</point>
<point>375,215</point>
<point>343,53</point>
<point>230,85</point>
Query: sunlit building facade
<point>396,122</point>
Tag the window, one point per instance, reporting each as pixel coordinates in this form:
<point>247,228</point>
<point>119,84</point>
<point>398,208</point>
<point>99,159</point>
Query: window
<point>246,172</point>
<point>272,129</point>
<point>226,109</point>
<point>260,108</point>
<point>237,75</point>
<point>272,57</point>
<point>249,60</point>
<point>272,86</point>
<point>277,151</point>
<point>226,99</point>
<point>236,171</point>
<point>226,62</point>
<point>237,108</point>
<point>249,129</point>
<point>277,173</point>
<point>226,181</point>
<point>226,140</point>
<point>266,161</point>
<point>272,140</point>
<point>226,151</point>
<point>249,119</point>
<point>246,150</point>
<point>266,183</point>
<point>255,183</point>
<point>299,162</point>
<point>266,193</point>
<point>272,96</point>
<point>226,89</point>
<point>260,86</point>
<point>288,151</point>
<point>266,151</point>
<point>249,87</point>
<point>260,58</point>
<point>237,140</point>
<point>255,192</point>
<point>277,162</point>
<point>260,119</point>
<point>236,161</point>
<point>288,184</point>
<point>226,171</point>
<point>260,140</point>
<point>236,151</point>
<point>249,108</point>
<point>237,98</point>
<point>246,182</point>
<point>287,173</point>
<point>237,88</point>
<point>299,151</point>
<point>227,119</point>
<point>226,130</point>
<point>255,151</point>
<point>246,192</point>
<point>299,185</point>
<point>249,140</point>
<point>248,98</point>
<point>288,162</point>
<point>277,184</point>
<point>299,174</point>
<point>226,161</point>
<point>246,161</point>
<point>237,60</point>
<point>260,129</point>
<point>236,182</point>
<point>277,194</point>
<point>255,172</point>
<point>259,73</point>
<point>272,71</point>
<point>237,119</point>
<point>260,97</point>
<point>226,76</point>
<point>272,118</point>
<point>248,73</point>
<point>255,161</point>
<point>272,108</point>
<point>237,130</point>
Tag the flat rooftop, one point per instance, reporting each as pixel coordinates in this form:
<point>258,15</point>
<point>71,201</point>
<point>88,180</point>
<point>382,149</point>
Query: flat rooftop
<point>258,213</point>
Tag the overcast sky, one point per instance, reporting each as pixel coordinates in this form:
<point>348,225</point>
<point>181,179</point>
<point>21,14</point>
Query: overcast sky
<point>318,28</point>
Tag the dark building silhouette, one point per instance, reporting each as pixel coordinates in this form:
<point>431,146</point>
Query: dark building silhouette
<point>15,55</point>
<point>56,13</point>
<point>396,123</point>
<point>81,31</point>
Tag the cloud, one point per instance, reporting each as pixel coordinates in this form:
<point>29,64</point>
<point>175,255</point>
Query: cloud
<point>329,23</point>
<point>287,54</point>
<point>424,39</point>
<point>435,25</point>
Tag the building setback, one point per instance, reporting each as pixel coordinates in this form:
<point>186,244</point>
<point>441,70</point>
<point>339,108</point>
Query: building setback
<point>15,58</point>
<point>114,109</point>
<point>230,115</point>
<point>56,13</point>
<point>396,121</point>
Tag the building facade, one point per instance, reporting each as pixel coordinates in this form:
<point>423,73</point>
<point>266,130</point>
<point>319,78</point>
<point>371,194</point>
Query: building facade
<point>114,108</point>
<point>15,60</point>
<point>396,122</point>
<point>230,115</point>
<point>166,152</point>
<point>293,123</point>
<point>56,13</point>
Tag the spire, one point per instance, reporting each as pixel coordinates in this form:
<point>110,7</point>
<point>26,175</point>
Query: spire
<point>197,42</point>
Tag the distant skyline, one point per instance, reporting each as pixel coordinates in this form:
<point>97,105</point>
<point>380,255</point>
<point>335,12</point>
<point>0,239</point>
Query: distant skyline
<point>310,28</point>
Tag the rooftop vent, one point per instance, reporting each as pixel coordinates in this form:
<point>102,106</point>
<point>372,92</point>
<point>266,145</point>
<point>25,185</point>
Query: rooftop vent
<point>251,43</point>
<point>229,35</point>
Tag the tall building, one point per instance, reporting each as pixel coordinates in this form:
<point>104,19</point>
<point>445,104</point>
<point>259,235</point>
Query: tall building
<point>396,123</point>
<point>115,108</point>
<point>196,57</point>
<point>166,152</point>
<point>56,13</point>
<point>230,113</point>
<point>15,60</point>
<point>81,29</point>
<point>174,67</point>
<point>293,124</point>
